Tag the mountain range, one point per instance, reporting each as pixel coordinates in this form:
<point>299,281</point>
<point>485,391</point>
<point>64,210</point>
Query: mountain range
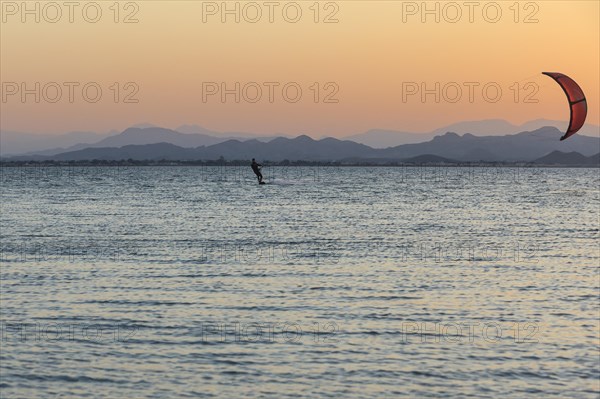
<point>381,138</point>
<point>528,146</point>
<point>18,143</point>
<point>192,136</point>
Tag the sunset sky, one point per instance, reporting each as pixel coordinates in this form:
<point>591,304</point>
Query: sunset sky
<point>373,50</point>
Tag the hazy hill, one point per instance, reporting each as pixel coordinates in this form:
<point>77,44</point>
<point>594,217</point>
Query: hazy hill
<point>21,142</point>
<point>281,148</point>
<point>381,138</point>
<point>299,148</point>
<point>524,146</point>
<point>153,135</point>
<point>568,158</point>
<point>139,136</point>
<point>191,136</point>
<point>155,151</point>
<point>242,136</point>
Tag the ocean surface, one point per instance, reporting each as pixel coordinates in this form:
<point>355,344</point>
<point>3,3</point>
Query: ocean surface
<point>341,282</point>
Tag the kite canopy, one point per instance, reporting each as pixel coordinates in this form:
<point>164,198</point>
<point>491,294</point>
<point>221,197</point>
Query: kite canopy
<point>577,102</point>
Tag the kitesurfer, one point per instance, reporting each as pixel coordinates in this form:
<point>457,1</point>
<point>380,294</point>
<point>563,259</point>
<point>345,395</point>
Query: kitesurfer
<point>256,169</point>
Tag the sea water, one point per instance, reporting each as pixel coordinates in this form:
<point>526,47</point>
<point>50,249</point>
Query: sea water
<point>191,281</point>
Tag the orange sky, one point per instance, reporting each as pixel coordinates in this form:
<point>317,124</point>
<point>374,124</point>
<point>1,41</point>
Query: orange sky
<point>373,50</point>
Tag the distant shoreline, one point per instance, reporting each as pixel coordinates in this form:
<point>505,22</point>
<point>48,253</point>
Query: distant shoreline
<point>134,163</point>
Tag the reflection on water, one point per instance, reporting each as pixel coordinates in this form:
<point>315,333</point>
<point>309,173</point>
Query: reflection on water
<point>170,282</point>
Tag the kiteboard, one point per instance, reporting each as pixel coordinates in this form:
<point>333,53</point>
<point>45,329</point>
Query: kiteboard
<point>262,182</point>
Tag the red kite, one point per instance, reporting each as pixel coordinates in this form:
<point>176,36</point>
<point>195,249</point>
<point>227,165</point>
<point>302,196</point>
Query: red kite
<point>577,102</point>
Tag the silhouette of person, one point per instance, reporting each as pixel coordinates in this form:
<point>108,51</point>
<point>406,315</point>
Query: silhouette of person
<point>256,168</point>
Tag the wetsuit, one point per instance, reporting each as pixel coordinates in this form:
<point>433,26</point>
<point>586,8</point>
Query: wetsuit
<point>256,168</point>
